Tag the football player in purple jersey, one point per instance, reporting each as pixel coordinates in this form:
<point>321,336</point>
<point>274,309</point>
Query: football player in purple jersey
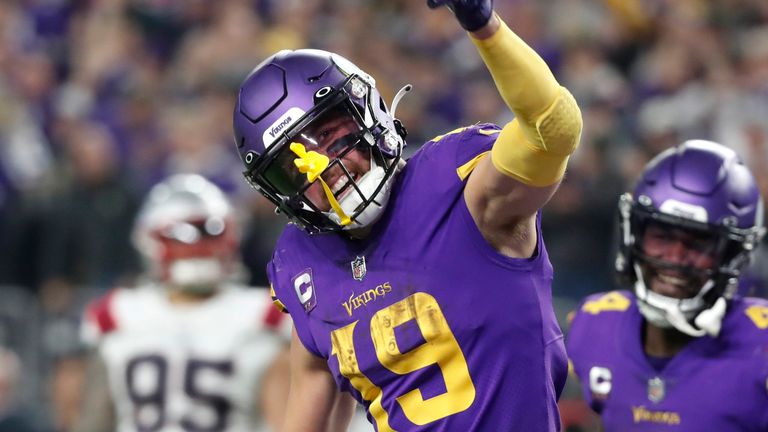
<point>422,289</point>
<point>681,350</point>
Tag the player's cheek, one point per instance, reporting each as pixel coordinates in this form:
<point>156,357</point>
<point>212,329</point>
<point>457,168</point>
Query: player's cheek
<point>360,160</point>
<point>703,260</point>
<point>316,196</point>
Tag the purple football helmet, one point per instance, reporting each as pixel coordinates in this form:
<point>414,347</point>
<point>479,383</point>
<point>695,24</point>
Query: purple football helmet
<point>317,139</point>
<point>704,189</point>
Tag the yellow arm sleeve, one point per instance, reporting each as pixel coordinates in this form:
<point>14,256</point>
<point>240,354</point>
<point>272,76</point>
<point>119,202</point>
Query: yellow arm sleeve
<point>533,148</point>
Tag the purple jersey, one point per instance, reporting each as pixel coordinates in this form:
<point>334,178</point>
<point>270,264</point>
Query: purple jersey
<point>423,322</point>
<point>713,384</point>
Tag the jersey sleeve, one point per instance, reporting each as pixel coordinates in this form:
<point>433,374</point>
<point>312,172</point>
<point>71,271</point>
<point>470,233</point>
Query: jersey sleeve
<point>457,152</point>
<point>746,326</point>
<point>746,329</point>
<point>748,320</point>
<point>98,320</point>
<point>276,302</point>
<point>435,175</point>
<point>277,319</point>
<point>284,298</point>
<point>591,330</point>
<point>576,337</point>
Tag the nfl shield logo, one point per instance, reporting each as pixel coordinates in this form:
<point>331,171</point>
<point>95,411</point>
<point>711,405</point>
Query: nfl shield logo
<point>358,268</point>
<point>655,389</point>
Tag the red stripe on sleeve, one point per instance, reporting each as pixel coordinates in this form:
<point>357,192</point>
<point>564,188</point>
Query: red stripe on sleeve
<point>273,317</point>
<point>100,311</point>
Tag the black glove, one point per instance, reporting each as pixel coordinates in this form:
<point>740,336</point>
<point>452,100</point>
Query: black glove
<point>471,14</point>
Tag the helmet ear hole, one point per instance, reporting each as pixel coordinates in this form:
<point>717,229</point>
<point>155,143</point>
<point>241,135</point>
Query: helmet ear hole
<point>322,93</point>
<point>250,158</point>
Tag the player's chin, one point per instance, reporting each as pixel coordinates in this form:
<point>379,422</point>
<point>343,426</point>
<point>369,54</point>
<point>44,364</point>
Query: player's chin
<point>674,290</point>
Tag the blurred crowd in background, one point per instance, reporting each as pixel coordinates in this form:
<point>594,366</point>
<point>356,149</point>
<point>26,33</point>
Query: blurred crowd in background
<point>99,100</point>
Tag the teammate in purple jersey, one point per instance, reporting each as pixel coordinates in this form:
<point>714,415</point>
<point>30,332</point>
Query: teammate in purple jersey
<point>422,289</point>
<point>683,351</point>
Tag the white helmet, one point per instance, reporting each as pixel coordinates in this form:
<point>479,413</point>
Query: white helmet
<point>184,231</point>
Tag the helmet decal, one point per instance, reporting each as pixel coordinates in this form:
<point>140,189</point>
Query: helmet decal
<point>677,208</point>
<point>272,132</point>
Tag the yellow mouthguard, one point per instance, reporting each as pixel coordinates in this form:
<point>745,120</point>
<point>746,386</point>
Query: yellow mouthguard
<point>313,164</point>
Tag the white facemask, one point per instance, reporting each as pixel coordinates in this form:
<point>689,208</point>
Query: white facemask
<point>367,185</point>
<point>666,312</point>
<point>197,275</point>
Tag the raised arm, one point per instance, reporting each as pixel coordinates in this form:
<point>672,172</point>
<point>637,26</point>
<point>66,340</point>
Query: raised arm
<point>314,403</point>
<point>529,156</point>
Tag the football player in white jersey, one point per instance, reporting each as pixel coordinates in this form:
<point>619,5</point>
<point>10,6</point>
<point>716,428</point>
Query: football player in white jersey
<point>187,350</point>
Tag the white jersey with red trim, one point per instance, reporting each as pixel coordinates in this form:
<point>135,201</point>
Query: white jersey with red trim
<point>192,367</point>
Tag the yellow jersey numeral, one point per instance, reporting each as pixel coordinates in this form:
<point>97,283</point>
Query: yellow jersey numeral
<point>758,315</point>
<point>439,348</point>
<point>613,301</point>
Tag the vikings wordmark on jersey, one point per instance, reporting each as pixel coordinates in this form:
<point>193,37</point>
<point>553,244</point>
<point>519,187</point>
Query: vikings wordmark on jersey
<point>713,384</point>
<point>176,367</point>
<point>436,331</point>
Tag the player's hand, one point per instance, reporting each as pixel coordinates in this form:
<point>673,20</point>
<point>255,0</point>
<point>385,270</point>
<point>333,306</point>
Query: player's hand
<point>471,14</point>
